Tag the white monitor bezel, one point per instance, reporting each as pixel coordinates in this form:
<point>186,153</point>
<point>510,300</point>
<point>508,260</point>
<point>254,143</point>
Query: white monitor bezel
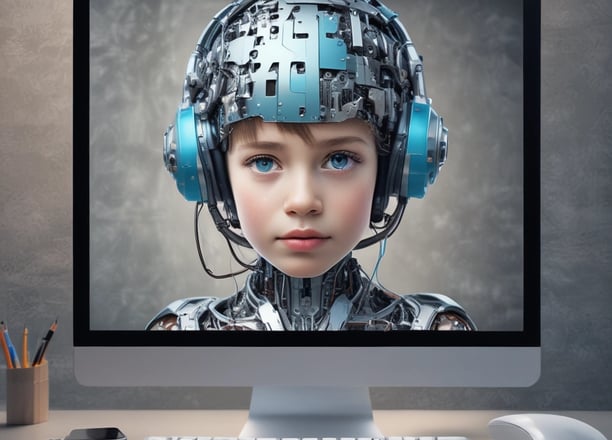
<point>480,358</point>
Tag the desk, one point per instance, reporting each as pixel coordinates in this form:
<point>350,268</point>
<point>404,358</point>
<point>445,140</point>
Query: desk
<point>138,424</point>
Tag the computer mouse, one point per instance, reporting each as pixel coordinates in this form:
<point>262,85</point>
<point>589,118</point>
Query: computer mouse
<point>541,427</point>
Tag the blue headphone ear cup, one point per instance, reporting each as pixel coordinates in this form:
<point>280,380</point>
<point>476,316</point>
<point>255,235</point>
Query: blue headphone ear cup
<point>198,166</point>
<point>426,150</point>
<point>181,156</point>
<point>415,159</point>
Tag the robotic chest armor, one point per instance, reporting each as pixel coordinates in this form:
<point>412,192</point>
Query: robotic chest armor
<point>417,311</point>
<point>341,299</point>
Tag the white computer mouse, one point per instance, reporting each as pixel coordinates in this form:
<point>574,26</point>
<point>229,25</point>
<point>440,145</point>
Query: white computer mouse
<point>541,427</point>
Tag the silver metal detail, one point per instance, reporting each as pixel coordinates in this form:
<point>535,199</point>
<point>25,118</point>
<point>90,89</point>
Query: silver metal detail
<point>315,306</point>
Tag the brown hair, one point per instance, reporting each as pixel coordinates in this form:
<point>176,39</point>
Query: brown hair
<point>247,130</point>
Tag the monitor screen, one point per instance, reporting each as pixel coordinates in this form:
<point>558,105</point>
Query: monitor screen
<point>467,244</point>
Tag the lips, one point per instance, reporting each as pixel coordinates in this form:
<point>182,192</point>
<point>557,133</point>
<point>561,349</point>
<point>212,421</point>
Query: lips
<point>303,240</point>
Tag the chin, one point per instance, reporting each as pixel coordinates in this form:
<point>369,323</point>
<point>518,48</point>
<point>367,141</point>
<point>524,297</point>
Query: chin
<point>303,272</point>
<point>303,267</point>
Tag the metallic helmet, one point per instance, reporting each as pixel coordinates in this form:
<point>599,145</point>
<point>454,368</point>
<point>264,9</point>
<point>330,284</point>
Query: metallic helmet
<point>306,61</point>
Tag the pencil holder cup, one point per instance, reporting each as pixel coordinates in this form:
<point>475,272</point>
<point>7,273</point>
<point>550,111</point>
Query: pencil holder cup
<point>27,395</point>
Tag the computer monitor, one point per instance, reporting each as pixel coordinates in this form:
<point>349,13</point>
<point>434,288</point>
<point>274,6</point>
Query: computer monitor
<point>474,237</point>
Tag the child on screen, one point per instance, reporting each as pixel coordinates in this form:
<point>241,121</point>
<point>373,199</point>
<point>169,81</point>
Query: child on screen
<point>302,124</point>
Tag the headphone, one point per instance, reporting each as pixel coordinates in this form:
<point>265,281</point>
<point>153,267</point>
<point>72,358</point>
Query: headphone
<point>415,140</point>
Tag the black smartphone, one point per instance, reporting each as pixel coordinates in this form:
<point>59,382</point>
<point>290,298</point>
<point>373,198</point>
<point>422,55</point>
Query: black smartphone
<point>96,434</point>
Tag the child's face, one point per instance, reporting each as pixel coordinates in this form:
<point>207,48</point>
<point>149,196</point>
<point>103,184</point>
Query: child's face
<point>303,201</point>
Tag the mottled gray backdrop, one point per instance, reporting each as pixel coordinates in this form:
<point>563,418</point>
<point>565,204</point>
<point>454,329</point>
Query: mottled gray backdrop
<point>474,90</point>
<point>464,239</point>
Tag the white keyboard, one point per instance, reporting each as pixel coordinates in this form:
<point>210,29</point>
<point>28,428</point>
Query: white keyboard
<point>302,438</point>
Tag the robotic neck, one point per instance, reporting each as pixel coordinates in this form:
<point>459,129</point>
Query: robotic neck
<point>309,303</point>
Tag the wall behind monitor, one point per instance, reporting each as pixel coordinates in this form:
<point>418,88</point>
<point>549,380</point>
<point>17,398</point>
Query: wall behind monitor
<point>36,216</point>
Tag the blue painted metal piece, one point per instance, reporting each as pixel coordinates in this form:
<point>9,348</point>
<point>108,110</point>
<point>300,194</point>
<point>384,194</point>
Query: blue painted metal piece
<point>420,167</point>
<point>186,174</point>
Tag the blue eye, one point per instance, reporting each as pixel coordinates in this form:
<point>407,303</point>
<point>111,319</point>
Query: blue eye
<point>263,164</point>
<point>340,161</point>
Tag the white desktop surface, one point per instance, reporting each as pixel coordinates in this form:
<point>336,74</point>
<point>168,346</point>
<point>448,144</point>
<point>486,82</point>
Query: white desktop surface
<point>139,424</point>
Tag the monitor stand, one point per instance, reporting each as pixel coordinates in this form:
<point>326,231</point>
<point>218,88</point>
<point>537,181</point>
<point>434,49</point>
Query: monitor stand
<point>310,411</point>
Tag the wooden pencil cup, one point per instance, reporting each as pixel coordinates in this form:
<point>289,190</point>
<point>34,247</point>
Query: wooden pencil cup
<point>27,395</point>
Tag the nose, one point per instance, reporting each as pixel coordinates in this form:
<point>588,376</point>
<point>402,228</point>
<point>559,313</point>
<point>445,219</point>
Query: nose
<point>303,195</point>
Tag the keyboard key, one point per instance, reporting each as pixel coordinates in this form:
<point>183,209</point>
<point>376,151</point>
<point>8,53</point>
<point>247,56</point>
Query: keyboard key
<point>302,438</point>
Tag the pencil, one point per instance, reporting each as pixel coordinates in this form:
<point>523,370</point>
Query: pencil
<point>5,348</point>
<point>24,348</point>
<point>42,348</point>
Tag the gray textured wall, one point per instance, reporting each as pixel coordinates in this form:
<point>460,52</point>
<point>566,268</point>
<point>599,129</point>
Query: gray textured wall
<point>36,286</point>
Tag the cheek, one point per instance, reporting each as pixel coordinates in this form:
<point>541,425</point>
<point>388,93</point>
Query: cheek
<point>244,196</point>
<point>248,205</point>
<point>253,209</point>
<point>355,206</point>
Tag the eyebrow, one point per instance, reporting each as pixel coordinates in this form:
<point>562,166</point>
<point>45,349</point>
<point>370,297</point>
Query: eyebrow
<point>325,143</point>
<point>260,145</point>
<point>342,140</point>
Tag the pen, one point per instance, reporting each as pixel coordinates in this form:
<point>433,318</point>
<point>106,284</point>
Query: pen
<point>11,347</point>
<point>42,348</point>
<point>12,350</point>
<point>24,348</point>
<point>5,348</point>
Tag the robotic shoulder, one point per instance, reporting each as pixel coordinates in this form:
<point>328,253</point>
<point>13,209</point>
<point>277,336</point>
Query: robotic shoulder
<point>182,314</point>
<point>434,311</point>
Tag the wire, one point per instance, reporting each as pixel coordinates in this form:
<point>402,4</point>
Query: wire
<point>389,226</point>
<point>198,210</point>
<point>381,253</point>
